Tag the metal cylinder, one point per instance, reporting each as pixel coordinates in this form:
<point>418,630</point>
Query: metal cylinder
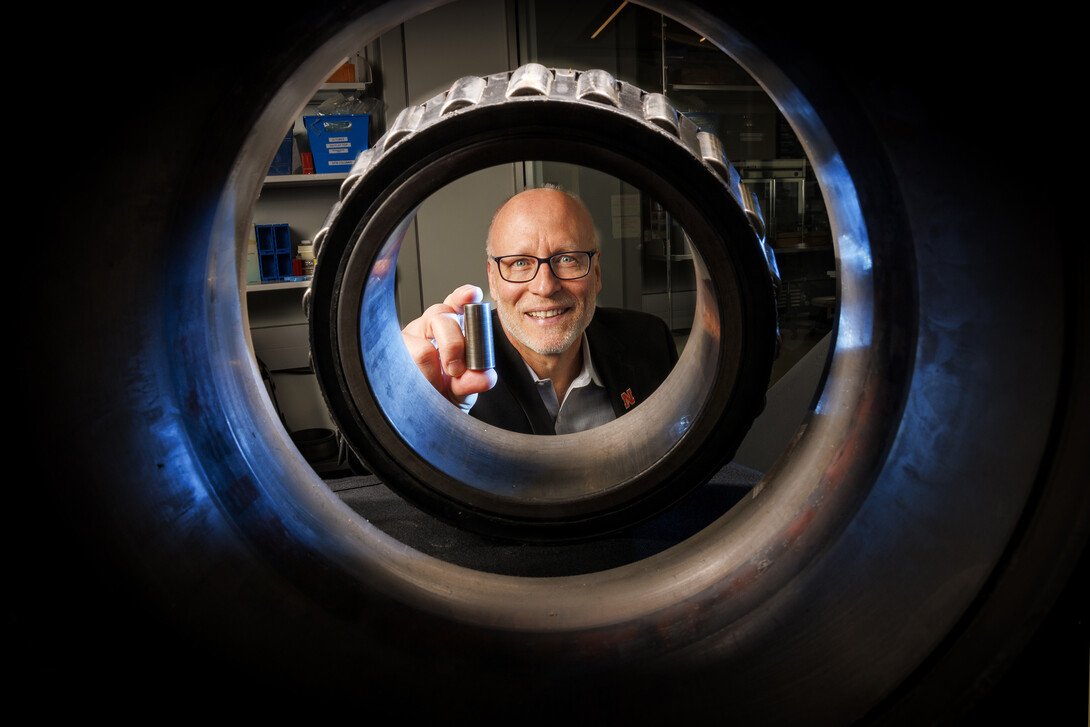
<point>478,330</point>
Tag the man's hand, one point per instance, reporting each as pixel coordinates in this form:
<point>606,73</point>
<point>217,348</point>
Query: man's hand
<point>437,345</point>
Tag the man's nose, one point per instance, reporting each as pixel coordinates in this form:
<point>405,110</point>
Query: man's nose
<point>544,283</point>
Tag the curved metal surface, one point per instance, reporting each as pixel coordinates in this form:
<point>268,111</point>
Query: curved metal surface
<point>931,505</point>
<point>515,485</point>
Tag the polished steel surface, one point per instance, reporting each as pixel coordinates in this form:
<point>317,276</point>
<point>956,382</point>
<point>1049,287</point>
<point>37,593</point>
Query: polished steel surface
<point>658,110</point>
<point>477,326</point>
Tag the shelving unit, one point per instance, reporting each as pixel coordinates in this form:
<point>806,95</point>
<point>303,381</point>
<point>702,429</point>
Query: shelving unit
<point>279,330</point>
<point>304,201</point>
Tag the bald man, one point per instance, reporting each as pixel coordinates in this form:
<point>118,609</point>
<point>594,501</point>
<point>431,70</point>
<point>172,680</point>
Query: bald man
<point>563,364</point>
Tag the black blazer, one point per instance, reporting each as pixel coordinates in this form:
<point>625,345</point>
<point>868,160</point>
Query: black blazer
<point>632,352</point>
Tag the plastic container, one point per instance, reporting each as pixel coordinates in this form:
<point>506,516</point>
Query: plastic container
<point>273,251</point>
<point>282,161</point>
<point>336,140</point>
<point>306,255</point>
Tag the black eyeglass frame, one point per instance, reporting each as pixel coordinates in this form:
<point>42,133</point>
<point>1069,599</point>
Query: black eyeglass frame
<point>547,261</point>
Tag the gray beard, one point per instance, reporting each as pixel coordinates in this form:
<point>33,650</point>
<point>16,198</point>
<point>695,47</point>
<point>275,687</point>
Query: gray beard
<point>572,336</point>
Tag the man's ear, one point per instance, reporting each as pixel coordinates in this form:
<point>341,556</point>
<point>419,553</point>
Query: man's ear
<point>489,269</point>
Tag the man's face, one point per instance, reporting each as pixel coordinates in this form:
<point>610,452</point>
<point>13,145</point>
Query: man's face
<point>546,315</point>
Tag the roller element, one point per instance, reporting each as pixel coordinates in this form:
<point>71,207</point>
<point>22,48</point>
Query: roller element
<point>660,112</point>
<point>597,85</point>
<point>711,151</point>
<point>464,92</point>
<point>318,240</point>
<point>478,331</point>
<point>753,209</point>
<point>532,79</point>
<point>406,123</point>
<point>363,161</point>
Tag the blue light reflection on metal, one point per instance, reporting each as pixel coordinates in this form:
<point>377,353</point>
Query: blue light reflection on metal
<point>850,238</point>
<point>855,324</point>
<point>855,273</point>
<point>177,445</point>
<point>680,426</point>
<point>854,263</point>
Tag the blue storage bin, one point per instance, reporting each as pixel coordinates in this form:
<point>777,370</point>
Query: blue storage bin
<point>282,161</point>
<point>273,251</point>
<point>336,140</point>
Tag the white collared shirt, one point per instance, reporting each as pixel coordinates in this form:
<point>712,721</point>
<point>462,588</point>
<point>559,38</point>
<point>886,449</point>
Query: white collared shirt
<point>585,404</point>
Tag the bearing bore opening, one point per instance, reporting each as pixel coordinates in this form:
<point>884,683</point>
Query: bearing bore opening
<point>549,469</point>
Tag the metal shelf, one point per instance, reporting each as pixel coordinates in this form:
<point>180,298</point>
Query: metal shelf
<point>281,285</point>
<point>297,180</point>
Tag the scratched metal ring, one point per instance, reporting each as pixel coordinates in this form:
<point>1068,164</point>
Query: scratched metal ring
<point>515,485</point>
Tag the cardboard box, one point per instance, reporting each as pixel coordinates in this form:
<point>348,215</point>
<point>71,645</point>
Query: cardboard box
<point>345,74</point>
<point>336,140</point>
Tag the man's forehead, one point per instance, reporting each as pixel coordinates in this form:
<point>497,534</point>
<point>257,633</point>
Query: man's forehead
<point>540,221</point>
<point>531,240</point>
<point>554,232</point>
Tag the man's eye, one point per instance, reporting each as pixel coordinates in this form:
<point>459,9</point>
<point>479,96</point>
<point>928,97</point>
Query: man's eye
<point>519,262</point>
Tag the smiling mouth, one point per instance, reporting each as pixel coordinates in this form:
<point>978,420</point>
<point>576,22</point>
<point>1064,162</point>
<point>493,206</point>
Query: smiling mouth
<point>551,313</point>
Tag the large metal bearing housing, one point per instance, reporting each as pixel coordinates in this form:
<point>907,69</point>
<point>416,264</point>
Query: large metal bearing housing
<point>890,567</point>
<point>525,486</point>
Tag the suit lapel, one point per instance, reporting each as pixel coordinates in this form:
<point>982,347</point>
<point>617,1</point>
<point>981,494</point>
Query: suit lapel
<point>619,374</point>
<point>518,384</point>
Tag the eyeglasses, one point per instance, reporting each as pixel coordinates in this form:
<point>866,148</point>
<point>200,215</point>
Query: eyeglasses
<point>564,265</point>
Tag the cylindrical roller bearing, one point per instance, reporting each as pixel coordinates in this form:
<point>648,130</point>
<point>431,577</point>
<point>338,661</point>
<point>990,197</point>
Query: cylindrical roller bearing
<point>523,486</point>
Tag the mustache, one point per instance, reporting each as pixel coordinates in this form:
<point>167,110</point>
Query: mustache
<point>564,301</point>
